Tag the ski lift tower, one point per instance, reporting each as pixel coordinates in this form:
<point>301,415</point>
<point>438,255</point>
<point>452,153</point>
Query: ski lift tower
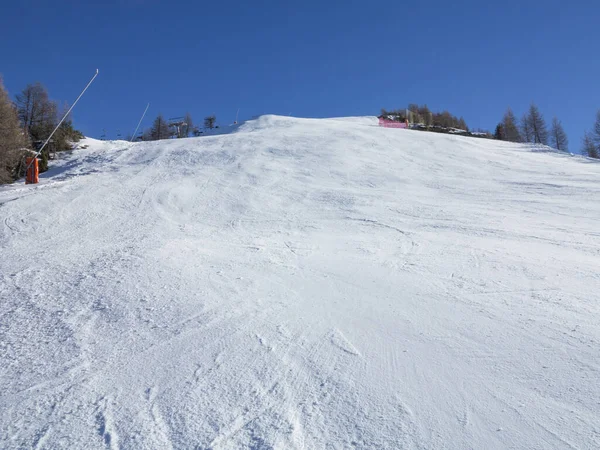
<point>177,124</point>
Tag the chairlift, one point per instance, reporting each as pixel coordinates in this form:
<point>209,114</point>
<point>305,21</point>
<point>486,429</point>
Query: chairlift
<point>177,123</point>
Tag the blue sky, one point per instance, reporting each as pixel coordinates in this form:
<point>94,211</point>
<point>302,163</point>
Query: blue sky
<point>306,58</point>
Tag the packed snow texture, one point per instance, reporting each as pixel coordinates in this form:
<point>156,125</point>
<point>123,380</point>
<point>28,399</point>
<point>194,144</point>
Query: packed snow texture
<point>303,283</point>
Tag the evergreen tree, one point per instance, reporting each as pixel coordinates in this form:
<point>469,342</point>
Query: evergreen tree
<point>511,130</point>
<point>558,137</point>
<point>589,146</point>
<point>13,140</point>
<point>499,134</point>
<point>160,129</point>
<point>209,122</point>
<point>43,159</point>
<point>66,135</point>
<point>596,133</point>
<point>537,124</point>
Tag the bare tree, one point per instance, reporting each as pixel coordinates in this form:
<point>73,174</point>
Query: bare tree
<point>209,122</point>
<point>537,125</point>
<point>28,103</point>
<point>160,129</point>
<point>189,125</point>
<point>37,113</point>
<point>511,130</point>
<point>146,135</point>
<point>13,140</point>
<point>589,146</point>
<point>413,113</point>
<point>526,132</point>
<point>558,137</point>
<point>426,115</point>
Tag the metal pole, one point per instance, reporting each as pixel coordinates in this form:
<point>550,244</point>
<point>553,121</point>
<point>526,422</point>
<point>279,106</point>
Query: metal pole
<point>61,121</point>
<point>139,123</point>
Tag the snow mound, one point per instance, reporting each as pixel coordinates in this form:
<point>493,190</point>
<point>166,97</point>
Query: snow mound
<point>302,283</point>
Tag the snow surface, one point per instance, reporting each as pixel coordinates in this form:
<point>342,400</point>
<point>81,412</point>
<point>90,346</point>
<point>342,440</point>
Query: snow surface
<point>303,284</point>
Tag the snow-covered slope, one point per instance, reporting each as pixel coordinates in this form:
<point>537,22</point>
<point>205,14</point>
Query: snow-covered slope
<point>303,284</point>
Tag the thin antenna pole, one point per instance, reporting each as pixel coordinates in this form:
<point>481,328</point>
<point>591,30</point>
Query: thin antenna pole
<point>61,121</point>
<point>139,123</point>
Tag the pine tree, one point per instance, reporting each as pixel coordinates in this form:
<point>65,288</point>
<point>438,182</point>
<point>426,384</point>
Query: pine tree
<point>13,140</point>
<point>537,125</point>
<point>66,135</point>
<point>596,133</point>
<point>209,122</point>
<point>558,137</point>
<point>160,129</point>
<point>499,134</point>
<point>511,130</point>
<point>589,146</point>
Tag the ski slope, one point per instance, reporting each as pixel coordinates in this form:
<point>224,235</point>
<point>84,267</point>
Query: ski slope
<point>303,284</point>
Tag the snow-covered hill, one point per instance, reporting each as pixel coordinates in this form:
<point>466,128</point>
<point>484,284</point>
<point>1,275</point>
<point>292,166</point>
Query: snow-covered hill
<point>302,284</point>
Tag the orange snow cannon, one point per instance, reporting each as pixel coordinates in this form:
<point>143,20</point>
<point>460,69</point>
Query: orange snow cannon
<point>33,171</point>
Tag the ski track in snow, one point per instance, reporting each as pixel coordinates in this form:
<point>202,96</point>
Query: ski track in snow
<point>302,283</point>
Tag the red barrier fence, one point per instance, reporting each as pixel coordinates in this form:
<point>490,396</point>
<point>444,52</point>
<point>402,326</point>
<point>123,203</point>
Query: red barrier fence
<point>392,123</point>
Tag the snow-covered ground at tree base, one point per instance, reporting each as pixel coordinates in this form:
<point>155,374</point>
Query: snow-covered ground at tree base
<point>302,284</point>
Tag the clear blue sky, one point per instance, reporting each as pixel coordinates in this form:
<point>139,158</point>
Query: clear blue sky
<point>308,58</point>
